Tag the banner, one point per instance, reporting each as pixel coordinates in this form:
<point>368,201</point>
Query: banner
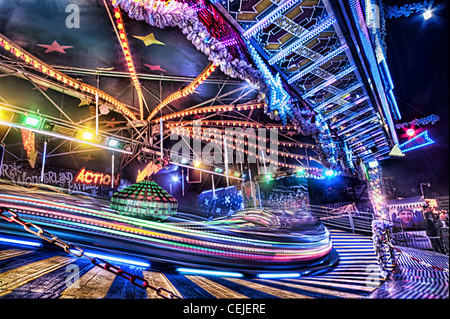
<point>415,239</point>
<point>407,218</point>
<point>17,174</point>
<point>221,202</point>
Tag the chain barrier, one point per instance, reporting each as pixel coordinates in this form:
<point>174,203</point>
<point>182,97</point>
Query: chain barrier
<point>391,246</point>
<point>76,251</point>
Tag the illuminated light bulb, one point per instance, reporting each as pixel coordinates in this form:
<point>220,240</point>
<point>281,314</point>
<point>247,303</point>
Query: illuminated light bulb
<point>410,132</point>
<point>117,15</point>
<point>32,121</point>
<point>427,14</point>
<point>7,47</point>
<point>87,136</point>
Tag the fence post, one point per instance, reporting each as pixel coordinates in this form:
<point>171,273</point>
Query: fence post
<point>350,218</point>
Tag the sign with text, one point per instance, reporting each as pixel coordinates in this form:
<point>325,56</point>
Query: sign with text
<point>88,177</point>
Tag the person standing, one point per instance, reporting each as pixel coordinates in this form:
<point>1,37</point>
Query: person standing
<point>432,231</point>
<point>443,231</point>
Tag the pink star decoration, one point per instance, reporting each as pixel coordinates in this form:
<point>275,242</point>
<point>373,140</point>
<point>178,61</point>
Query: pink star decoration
<point>155,67</point>
<point>55,47</point>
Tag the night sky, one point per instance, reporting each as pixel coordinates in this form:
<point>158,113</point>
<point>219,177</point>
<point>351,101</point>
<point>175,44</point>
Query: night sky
<point>418,59</point>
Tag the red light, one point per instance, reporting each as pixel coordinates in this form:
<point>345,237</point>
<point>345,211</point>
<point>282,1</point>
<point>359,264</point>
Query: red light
<point>410,132</point>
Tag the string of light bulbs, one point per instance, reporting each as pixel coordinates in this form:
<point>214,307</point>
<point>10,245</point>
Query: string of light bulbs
<point>128,58</point>
<point>209,109</point>
<point>186,91</point>
<point>51,72</point>
<point>245,151</point>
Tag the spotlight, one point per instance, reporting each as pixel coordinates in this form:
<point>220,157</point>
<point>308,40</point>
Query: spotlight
<point>427,14</point>
<point>87,136</point>
<point>175,178</point>
<point>32,121</point>
<point>113,143</point>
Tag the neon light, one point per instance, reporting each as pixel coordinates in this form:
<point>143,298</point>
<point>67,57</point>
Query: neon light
<point>20,242</point>
<point>282,275</point>
<point>94,178</point>
<point>209,272</point>
<point>149,170</point>
<point>419,141</point>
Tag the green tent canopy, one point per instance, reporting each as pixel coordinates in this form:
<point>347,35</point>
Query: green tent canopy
<point>146,200</point>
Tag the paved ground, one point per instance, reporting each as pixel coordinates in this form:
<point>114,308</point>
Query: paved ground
<point>417,280</point>
<point>36,273</point>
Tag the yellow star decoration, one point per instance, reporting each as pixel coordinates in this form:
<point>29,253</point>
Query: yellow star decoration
<point>148,39</point>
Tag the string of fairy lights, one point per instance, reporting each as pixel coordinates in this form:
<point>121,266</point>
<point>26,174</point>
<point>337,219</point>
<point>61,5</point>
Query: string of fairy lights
<point>128,58</point>
<point>48,71</point>
<point>175,126</point>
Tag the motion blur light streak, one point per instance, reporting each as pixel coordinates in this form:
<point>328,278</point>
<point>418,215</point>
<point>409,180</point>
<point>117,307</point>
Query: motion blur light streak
<point>209,272</point>
<point>118,259</point>
<point>20,242</point>
<point>282,275</point>
<point>249,240</point>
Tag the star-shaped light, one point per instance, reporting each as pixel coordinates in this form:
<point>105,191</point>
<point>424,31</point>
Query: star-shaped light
<point>148,39</point>
<point>155,67</point>
<point>55,47</point>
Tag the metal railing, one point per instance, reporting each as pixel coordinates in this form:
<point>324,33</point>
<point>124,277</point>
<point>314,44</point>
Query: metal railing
<point>354,221</point>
